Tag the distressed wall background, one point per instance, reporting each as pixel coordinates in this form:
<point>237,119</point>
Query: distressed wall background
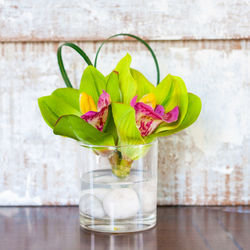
<point>205,42</point>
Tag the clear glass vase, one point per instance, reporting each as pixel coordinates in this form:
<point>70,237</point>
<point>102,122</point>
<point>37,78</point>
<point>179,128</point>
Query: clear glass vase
<point>119,188</point>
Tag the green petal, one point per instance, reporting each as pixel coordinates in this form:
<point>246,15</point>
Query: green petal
<point>128,133</point>
<point>109,126</point>
<point>143,85</point>
<point>93,82</point>
<point>124,118</point>
<point>69,96</point>
<point>193,111</point>
<point>163,90</point>
<point>76,128</point>
<point>176,96</point>
<point>113,87</point>
<point>126,80</point>
<point>62,101</point>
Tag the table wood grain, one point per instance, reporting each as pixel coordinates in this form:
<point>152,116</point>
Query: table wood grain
<point>41,228</point>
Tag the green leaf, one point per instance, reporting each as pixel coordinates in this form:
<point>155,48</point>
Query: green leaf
<point>113,87</point>
<point>76,128</point>
<point>143,85</point>
<point>177,96</point>
<point>62,101</point>
<point>126,80</point>
<point>193,111</point>
<point>124,118</point>
<point>93,82</point>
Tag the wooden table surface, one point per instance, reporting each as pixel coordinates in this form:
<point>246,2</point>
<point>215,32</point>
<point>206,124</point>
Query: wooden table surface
<point>45,228</point>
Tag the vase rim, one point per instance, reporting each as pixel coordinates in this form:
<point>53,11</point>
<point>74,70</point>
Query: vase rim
<point>118,146</point>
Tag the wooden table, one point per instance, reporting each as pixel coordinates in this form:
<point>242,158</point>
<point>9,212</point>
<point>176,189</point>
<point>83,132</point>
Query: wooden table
<point>45,228</point>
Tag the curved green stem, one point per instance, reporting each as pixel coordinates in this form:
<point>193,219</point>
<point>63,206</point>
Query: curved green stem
<point>60,61</point>
<point>140,40</point>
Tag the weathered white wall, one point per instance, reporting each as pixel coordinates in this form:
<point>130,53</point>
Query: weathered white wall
<point>209,163</point>
<point>97,19</point>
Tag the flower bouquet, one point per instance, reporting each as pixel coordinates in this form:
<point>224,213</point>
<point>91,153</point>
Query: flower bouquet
<point>117,119</point>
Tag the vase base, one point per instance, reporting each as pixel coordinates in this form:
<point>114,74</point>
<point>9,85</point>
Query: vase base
<point>117,226</point>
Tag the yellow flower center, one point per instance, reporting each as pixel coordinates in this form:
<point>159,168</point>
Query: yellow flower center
<point>87,103</point>
<point>149,99</point>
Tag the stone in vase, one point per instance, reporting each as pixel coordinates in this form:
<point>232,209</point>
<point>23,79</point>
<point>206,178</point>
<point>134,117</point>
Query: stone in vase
<point>91,205</point>
<point>121,203</point>
<point>147,193</point>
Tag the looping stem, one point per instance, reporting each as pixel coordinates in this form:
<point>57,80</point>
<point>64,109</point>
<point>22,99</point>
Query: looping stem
<point>140,40</point>
<point>61,64</point>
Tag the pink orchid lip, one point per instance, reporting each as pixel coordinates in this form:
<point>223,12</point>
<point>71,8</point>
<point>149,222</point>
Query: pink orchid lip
<point>133,101</point>
<point>172,115</point>
<point>148,119</point>
<point>146,110</point>
<point>98,119</point>
<point>103,101</point>
<point>159,110</point>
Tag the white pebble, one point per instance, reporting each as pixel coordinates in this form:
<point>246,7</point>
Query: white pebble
<point>91,206</point>
<point>147,193</point>
<point>121,203</point>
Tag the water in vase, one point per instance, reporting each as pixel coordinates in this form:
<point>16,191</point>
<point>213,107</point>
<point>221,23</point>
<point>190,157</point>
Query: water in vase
<point>108,203</point>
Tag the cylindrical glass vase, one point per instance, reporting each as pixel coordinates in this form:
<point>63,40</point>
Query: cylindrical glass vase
<point>119,188</point>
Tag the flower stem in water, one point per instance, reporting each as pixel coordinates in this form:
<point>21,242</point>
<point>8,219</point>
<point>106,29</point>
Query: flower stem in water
<point>120,165</point>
